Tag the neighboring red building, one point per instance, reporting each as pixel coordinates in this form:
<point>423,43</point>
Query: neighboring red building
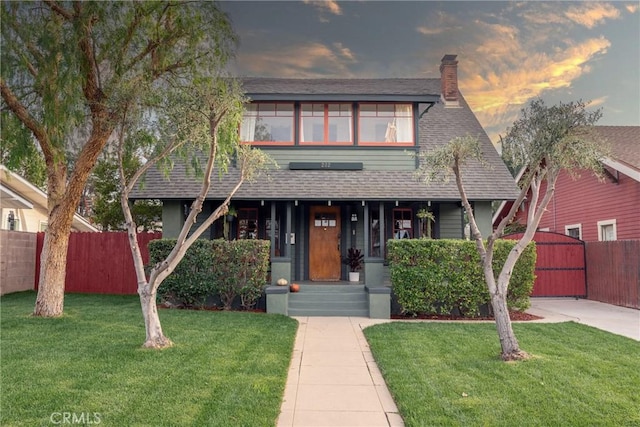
<point>594,210</point>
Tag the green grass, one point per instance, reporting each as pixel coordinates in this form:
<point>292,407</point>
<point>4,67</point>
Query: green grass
<point>226,368</point>
<point>450,374</point>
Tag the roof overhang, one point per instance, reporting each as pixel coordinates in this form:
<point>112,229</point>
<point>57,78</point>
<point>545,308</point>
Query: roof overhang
<point>342,97</point>
<point>11,199</point>
<point>622,168</point>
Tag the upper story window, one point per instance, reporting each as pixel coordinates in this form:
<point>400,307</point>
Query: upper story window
<point>268,123</point>
<point>386,124</point>
<point>324,123</point>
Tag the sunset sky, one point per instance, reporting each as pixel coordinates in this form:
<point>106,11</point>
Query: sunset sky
<point>508,52</point>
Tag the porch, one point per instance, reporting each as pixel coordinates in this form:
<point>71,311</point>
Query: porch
<point>330,299</point>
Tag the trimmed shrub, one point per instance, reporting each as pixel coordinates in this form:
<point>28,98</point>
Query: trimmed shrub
<point>191,282</point>
<point>441,276</point>
<point>216,269</point>
<point>241,268</point>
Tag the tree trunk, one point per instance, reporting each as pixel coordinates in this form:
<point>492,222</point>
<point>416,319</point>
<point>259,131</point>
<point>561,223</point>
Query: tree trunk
<point>53,260</point>
<point>53,269</point>
<point>508,341</point>
<point>155,336</point>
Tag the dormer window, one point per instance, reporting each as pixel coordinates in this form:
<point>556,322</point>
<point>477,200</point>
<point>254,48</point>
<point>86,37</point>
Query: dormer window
<point>386,124</point>
<point>268,123</point>
<point>326,124</point>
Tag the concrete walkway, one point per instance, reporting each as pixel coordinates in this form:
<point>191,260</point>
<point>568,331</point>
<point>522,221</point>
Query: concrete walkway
<point>611,318</point>
<point>333,379</point>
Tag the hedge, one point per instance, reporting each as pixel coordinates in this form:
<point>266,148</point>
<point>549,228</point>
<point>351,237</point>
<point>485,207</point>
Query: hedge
<point>443,276</point>
<point>216,269</point>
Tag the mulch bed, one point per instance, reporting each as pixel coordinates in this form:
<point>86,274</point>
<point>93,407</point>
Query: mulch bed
<point>514,315</point>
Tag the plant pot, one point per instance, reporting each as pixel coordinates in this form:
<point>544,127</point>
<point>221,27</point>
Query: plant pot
<point>354,276</point>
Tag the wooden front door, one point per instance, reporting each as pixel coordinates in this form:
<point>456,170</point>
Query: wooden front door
<point>324,243</point>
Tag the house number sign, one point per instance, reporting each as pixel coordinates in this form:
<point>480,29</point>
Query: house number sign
<point>350,166</point>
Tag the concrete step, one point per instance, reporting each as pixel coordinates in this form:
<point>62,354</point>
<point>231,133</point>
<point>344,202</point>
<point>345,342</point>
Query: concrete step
<point>329,300</point>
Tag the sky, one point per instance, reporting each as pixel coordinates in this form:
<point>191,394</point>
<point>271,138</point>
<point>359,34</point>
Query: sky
<point>508,52</point>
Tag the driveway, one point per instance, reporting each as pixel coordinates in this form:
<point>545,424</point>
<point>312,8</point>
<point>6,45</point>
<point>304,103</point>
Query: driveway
<point>618,320</point>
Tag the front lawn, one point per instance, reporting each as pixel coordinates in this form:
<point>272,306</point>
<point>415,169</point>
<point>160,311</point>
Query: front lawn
<point>450,374</point>
<point>226,368</point>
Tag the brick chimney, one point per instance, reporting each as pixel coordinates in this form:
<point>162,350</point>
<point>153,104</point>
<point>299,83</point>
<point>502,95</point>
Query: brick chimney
<point>449,80</point>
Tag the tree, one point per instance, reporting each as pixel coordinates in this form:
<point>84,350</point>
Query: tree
<point>69,68</point>
<point>196,120</point>
<point>544,141</point>
<point>106,192</point>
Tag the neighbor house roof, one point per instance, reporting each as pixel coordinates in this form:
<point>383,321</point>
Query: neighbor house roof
<point>18,193</point>
<point>436,127</point>
<point>624,142</point>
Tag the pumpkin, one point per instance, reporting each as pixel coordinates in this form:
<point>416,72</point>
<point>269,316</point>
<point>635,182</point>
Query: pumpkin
<point>282,282</point>
<point>294,287</point>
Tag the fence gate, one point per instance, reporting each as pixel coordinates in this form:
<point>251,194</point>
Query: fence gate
<point>560,265</point>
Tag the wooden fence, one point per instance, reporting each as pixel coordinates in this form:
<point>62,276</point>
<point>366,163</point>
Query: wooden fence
<point>560,265</point>
<point>100,263</point>
<point>613,272</point>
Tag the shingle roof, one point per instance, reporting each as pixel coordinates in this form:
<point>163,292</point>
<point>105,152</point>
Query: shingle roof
<point>355,87</point>
<point>438,126</point>
<point>624,142</point>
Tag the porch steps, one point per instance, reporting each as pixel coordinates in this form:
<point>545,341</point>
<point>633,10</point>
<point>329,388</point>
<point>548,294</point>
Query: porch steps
<point>329,300</point>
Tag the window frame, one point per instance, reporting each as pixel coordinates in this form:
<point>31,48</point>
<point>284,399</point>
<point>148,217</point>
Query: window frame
<point>242,217</point>
<point>572,227</point>
<point>326,118</point>
<point>605,223</point>
<point>411,117</point>
<point>272,143</point>
<point>395,230</point>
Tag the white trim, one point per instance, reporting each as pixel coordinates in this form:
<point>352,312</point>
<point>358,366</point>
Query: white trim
<point>605,223</point>
<point>573,226</point>
<point>544,229</point>
<point>622,168</point>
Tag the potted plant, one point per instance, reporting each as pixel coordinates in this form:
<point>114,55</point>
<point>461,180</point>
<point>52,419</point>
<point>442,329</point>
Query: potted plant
<point>354,260</point>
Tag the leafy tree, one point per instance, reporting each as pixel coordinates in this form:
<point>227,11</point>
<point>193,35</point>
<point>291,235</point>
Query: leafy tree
<point>107,212</point>
<point>69,68</point>
<point>544,141</point>
<point>18,151</point>
<point>196,123</point>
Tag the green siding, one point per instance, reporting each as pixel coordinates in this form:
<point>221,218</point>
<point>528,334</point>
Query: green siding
<point>482,212</point>
<point>171,218</point>
<point>372,159</point>
<point>450,221</point>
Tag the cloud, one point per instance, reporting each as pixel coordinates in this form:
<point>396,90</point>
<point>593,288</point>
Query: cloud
<point>429,31</point>
<point>598,101</point>
<point>345,52</point>
<point>592,14</point>
<point>301,60</point>
<point>497,86</point>
<point>330,6</point>
<point>632,8</point>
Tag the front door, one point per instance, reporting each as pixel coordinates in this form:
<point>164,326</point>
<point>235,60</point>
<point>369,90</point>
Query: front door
<point>324,243</point>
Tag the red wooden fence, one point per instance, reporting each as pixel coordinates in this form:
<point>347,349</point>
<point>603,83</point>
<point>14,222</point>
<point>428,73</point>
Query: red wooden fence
<point>100,263</point>
<point>613,272</point>
<point>560,266</point>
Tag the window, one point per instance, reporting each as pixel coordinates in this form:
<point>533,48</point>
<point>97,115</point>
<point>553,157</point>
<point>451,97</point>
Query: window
<point>267,233</point>
<point>386,124</point>
<point>573,230</point>
<point>607,230</point>
<point>325,220</point>
<point>247,223</point>
<point>402,224</point>
<point>326,124</point>
<point>268,123</point>
<point>374,231</point>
